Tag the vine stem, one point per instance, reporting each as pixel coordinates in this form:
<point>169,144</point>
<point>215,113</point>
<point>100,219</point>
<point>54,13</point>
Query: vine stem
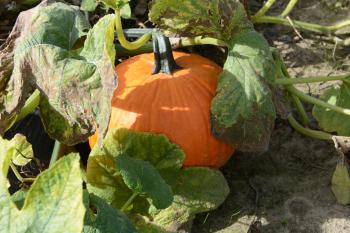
<point>316,101</point>
<point>129,201</point>
<point>18,175</point>
<point>123,41</point>
<point>29,106</point>
<point>308,132</point>
<point>57,150</point>
<point>300,24</point>
<point>289,8</point>
<point>301,110</point>
<point>291,81</point>
<point>263,9</point>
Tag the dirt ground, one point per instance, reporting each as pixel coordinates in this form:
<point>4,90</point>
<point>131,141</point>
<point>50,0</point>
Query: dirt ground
<point>287,189</point>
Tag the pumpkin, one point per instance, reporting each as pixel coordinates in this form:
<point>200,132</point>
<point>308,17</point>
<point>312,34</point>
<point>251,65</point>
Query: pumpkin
<point>177,105</point>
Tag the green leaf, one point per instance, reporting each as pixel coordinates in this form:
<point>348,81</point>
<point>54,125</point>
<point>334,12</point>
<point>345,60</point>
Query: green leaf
<point>243,112</point>
<point>53,203</point>
<point>19,197</point>
<point>329,120</point>
<point>107,219</point>
<point>88,5</point>
<point>115,4</point>
<point>22,150</point>
<point>221,19</point>
<point>104,178</point>
<point>76,89</point>
<point>125,12</point>
<point>197,190</point>
<point>144,179</point>
<point>143,225</point>
<point>341,183</point>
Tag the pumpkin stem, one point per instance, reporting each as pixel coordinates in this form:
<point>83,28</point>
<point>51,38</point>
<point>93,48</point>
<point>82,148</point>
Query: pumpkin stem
<point>164,61</point>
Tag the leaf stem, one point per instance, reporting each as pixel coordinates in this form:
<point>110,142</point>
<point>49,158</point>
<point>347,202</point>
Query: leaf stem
<point>57,150</point>
<point>263,9</point>
<point>308,132</point>
<point>129,201</point>
<point>289,8</point>
<point>316,101</point>
<point>300,24</point>
<point>18,175</point>
<point>123,41</point>
<point>289,81</point>
<point>301,110</point>
<point>29,106</point>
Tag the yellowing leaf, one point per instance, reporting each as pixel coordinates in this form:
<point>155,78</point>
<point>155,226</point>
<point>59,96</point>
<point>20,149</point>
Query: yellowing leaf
<point>341,183</point>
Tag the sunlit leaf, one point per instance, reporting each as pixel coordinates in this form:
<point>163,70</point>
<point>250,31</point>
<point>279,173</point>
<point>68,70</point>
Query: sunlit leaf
<point>104,178</point>
<point>44,209</point>
<point>22,150</point>
<point>341,183</point>
<point>88,5</point>
<point>330,120</point>
<point>115,4</point>
<point>243,112</point>
<point>197,190</point>
<point>221,19</point>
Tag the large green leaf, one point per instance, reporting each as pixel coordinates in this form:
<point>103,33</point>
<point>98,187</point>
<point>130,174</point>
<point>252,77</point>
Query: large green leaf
<point>332,121</point>
<point>53,203</point>
<point>144,179</point>
<point>76,88</point>
<point>197,190</point>
<point>103,175</point>
<point>221,19</point>
<point>243,111</point>
<point>19,30</point>
<point>107,219</point>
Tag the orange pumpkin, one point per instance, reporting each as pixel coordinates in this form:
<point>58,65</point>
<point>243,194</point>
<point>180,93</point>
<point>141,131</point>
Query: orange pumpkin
<point>177,105</point>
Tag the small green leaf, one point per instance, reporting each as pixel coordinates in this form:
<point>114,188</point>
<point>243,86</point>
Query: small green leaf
<point>125,12</point>
<point>197,190</point>
<point>329,120</point>
<point>88,5</point>
<point>243,112</point>
<point>115,4</point>
<point>341,183</point>
<point>22,150</point>
<point>19,197</point>
<point>220,19</point>
<point>52,204</point>
<point>107,219</point>
<point>105,180</point>
<point>144,179</point>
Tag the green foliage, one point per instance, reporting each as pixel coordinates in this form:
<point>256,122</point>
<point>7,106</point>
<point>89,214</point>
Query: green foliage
<point>115,4</point>
<point>197,190</point>
<point>243,112</point>
<point>341,183</point>
<point>332,121</point>
<point>88,5</point>
<point>144,179</point>
<point>107,219</point>
<point>106,178</point>
<point>76,88</point>
<point>22,151</point>
<point>43,209</point>
<point>220,19</point>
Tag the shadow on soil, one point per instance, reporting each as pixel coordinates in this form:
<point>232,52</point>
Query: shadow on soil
<point>286,189</point>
